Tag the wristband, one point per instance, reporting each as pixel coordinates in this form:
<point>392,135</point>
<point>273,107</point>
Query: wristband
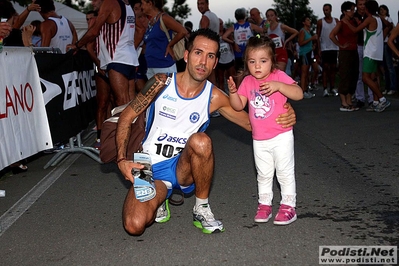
<point>120,160</point>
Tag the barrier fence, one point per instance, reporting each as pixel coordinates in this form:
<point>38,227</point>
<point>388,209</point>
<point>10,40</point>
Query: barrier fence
<point>44,99</point>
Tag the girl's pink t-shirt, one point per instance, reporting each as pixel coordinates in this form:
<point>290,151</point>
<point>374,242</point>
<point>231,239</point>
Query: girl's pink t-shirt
<point>263,110</point>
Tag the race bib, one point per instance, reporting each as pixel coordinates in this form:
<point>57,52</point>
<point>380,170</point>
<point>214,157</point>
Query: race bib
<point>278,42</point>
<point>166,144</point>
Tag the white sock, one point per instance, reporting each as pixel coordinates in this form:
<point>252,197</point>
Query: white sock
<point>375,103</point>
<point>382,99</point>
<point>199,201</point>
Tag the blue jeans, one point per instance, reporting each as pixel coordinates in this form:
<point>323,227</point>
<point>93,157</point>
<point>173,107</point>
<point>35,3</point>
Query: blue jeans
<point>390,74</point>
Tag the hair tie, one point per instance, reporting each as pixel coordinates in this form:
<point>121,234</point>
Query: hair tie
<point>258,36</point>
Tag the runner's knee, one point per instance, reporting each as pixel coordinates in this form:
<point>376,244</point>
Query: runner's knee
<point>134,226</point>
<point>201,143</point>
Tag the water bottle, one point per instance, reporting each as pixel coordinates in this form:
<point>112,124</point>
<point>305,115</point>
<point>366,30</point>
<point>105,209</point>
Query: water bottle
<point>144,187</point>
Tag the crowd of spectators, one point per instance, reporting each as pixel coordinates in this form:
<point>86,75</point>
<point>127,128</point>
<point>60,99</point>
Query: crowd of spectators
<point>128,46</point>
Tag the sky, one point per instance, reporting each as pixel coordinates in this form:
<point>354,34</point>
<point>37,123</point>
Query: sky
<point>224,9</point>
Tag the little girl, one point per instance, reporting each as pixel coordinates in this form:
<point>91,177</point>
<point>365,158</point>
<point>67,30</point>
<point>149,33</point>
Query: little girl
<point>267,88</point>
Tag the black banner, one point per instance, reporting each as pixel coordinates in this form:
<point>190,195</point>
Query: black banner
<point>69,92</point>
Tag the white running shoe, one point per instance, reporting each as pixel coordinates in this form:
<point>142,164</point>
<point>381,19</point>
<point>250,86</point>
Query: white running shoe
<point>203,218</point>
<point>163,212</point>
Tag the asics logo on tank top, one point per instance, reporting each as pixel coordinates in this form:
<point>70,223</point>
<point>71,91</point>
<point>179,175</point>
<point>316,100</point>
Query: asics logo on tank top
<point>173,139</point>
<point>169,98</point>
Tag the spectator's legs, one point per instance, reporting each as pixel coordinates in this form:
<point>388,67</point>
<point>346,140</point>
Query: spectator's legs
<point>120,87</point>
<point>103,101</point>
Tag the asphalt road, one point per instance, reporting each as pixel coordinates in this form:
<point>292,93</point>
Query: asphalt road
<point>347,194</point>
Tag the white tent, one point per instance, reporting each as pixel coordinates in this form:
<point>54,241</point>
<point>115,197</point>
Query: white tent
<point>77,18</point>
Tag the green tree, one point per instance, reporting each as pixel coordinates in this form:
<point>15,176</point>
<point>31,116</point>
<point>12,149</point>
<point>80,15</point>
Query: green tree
<point>301,9</point>
<point>180,10</point>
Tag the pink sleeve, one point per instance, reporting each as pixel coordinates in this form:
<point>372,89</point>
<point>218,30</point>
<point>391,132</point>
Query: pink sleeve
<point>283,77</point>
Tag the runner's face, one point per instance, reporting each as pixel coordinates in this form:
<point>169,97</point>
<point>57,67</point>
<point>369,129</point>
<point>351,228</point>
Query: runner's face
<point>201,60</point>
<point>327,11</point>
<point>146,7</point>
<point>361,6</point>
<point>271,16</point>
<point>96,4</point>
<point>382,12</point>
<point>254,14</point>
<point>90,19</point>
<point>202,6</point>
<point>137,9</point>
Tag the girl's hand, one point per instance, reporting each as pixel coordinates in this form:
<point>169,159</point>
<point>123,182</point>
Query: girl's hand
<point>270,87</point>
<point>169,50</point>
<point>231,85</point>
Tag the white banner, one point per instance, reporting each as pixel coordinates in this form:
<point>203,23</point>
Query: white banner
<point>24,129</point>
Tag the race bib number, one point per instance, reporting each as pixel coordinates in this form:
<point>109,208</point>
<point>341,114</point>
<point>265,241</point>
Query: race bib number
<point>167,144</point>
<point>278,42</point>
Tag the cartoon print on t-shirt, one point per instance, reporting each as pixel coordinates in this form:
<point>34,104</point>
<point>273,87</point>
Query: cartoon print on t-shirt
<point>262,105</point>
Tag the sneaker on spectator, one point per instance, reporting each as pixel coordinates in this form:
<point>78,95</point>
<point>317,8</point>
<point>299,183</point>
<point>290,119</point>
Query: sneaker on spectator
<point>384,92</point>
<point>382,106</point>
<point>308,95</point>
<point>286,215</point>
<point>326,93</point>
<point>359,104</point>
<point>97,144</point>
<point>203,218</point>
<point>335,91</point>
<point>344,108</point>
<point>391,92</point>
<point>371,107</point>
<point>163,212</point>
<point>263,214</point>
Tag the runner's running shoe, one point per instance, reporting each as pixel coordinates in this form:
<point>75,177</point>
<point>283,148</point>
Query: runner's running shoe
<point>163,212</point>
<point>381,106</point>
<point>203,218</point>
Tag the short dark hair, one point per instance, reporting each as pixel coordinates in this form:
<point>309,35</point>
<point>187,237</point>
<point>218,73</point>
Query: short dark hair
<point>95,13</point>
<point>207,33</point>
<point>46,5</point>
<point>329,5</point>
<point>372,6</point>
<point>272,10</point>
<point>7,10</point>
<point>157,3</point>
<point>385,8</point>
<point>36,23</point>
<point>347,5</point>
<point>240,13</point>
<point>189,26</point>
